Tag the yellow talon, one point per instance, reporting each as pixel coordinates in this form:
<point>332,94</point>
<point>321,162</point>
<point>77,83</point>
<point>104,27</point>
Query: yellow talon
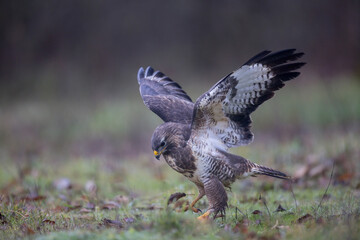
<point>205,216</point>
<point>156,153</point>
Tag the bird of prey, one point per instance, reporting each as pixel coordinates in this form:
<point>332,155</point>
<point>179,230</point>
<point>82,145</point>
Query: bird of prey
<point>195,137</point>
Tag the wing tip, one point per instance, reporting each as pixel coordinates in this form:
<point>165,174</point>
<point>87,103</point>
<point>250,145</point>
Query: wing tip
<point>141,74</point>
<point>272,59</point>
<point>149,71</point>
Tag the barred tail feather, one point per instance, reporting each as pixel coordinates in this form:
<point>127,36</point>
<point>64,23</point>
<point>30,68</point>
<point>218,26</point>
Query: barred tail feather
<point>261,170</point>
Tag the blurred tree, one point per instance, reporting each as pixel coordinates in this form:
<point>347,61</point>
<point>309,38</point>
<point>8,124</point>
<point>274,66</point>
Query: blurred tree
<point>62,47</point>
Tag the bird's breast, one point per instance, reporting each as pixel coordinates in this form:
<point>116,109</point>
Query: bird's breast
<point>182,164</point>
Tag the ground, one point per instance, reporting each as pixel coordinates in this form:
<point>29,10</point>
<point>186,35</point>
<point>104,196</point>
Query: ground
<point>86,171</point>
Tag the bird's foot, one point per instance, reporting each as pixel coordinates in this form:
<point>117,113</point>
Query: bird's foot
<point>205,216</point>
<point>195,210</point>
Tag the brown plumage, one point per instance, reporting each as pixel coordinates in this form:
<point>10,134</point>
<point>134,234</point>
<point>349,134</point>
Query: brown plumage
<point>195,137</point>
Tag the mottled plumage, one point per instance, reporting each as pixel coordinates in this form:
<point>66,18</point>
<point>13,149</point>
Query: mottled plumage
<point>196,136</point>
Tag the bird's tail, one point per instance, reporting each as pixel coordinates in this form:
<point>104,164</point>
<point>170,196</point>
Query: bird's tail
<point>262,170</point>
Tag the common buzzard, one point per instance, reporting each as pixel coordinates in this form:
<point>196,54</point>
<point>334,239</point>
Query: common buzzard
<point>195,137</point>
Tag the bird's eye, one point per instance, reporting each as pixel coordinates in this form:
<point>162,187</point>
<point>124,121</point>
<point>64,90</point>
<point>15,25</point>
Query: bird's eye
<point>162,144</point>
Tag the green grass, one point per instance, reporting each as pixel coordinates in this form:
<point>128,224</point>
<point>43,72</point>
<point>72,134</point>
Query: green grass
<point>146,185</point>
<point>107,143</point>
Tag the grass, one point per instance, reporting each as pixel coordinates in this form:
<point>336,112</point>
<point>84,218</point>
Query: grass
<point>85,171</point>
<point>32,207</point>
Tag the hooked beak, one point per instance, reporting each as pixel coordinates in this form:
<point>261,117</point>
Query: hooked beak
<point>157,154</point>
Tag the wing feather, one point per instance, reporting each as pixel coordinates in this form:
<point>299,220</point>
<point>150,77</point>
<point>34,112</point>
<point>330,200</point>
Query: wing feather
<point>164,97</point>
<point>224,111</point>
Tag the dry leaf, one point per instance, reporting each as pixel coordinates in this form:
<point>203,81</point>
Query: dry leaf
<point>62,184</point>
<point>85,210</point>
<point>122,199</point>
<point>305,218</point>
<point>301,171</point>
<point>256,212</point>
<point>110,205</point>
<point>48,221</point>
<point>129,220</point>
<point>90,187</point>
<point>25,229</point>
<point>90,206</point>
<point>241,227</point>
<point>112,223</point>
<point>318,170</point>
<point>175,196</point>
<point>283,227</point>
<point>33,198</point>
<point>280,209</point>
<point>2,219</point>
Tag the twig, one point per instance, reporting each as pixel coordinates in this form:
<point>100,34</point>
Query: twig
<point>264,201</point>
<point>327,188</point>
<point>293,194</point>
<point>238,210</point>
<point>276,224</point>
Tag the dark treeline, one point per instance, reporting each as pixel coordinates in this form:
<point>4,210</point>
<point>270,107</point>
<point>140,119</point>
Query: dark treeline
<point>67,45</point>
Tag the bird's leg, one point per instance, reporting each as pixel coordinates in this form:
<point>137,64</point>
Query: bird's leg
<point>216,194</point>
<point>201,194</point>
<point>194,202</point>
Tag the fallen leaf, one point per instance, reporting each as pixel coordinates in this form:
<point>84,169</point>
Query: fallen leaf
<point>2,219</point>
<point>251,235</point>
<point>305,218</point>
<point>283,227</point>
<point>112,223</point>
<point>90,206</point>
<point>90,187</point>
<point>48,221</point>
<point>345,177</point>
<point>320,220</point>
<point>33,198</point>
<point>151,207</point>
<point>256,212</point>
<point>242,227</point>
<point>110,205</point>
<point>227,227</point>
<point>85,210</point>
<point>280,209</point>
<point>175,196</point>
<point>301,171</point>
<point>318,170</point>
<point>62,184</point>
<point>73,207</point>
<point>58,209</point>
<point>129,220</point>
<point>86,216</point>
<point>25,229</point>
<point>122,199</point>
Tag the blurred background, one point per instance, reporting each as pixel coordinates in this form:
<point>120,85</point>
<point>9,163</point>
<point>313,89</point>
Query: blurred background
<point>68,69</point>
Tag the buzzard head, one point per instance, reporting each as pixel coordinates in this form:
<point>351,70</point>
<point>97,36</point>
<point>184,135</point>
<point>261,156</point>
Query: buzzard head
<point>165,137</point>
<point>160,141</point>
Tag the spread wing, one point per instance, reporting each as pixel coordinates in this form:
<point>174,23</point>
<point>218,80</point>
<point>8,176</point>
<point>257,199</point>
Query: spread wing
<point>222,115</point>
<point>164,96</point>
